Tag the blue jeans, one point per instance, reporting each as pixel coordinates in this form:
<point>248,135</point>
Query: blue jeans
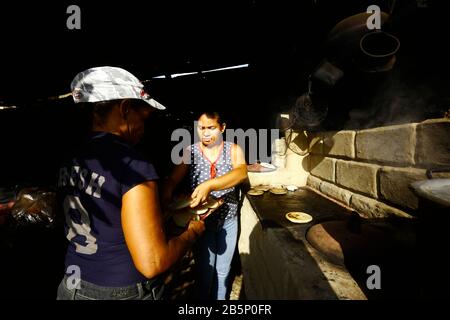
<point>213,254</point>
<point>148,290</point>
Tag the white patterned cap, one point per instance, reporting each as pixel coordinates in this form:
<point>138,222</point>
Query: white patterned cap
<point>109,83</point>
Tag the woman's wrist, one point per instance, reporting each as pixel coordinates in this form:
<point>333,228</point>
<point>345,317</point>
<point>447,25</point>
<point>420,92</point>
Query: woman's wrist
<point>190,236</point>
<point>212,184</point>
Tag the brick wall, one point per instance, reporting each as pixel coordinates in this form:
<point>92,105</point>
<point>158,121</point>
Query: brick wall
<point>371,170</point>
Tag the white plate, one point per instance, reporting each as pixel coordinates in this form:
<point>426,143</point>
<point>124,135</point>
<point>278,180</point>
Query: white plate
<point>267,165</point>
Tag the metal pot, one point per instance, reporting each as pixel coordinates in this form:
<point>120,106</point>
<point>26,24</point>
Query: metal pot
<point>433,231</point>
<point>350,42</point>
<point>378,51</point>
<point>433,193</point>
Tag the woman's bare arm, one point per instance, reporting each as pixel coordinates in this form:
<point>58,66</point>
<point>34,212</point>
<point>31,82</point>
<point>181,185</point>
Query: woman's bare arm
<point>231,179</point>
<point>142,223</point>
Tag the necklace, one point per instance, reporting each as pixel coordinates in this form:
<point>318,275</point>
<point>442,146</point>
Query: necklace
<point>213,170</point>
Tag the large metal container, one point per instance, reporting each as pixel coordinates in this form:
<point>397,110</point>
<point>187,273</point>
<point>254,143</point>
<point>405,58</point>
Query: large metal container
<point>433,236</point>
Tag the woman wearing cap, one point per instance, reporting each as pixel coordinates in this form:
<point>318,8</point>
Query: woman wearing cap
<point>215,167</point>
<point>117,249</point>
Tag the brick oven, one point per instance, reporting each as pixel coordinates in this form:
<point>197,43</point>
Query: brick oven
<point>346,178</point>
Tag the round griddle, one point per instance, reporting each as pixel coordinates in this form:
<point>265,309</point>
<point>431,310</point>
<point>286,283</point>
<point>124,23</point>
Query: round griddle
<point>340,245</point>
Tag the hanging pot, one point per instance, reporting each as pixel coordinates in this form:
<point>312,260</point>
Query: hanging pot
<point>351,42</point>
<point>378,49</point>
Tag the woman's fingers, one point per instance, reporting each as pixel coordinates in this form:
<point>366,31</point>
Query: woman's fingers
<point>199,196</point>
<point>194,194</point>
<point>194,203</point>
<point>195,198</point>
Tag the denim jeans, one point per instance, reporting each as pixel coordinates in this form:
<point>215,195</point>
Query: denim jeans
<point>213,255</point>
<point>148,290</point>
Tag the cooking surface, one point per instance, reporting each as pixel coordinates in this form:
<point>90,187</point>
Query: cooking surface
<point>334,266</point>
<point>271,210</point>
<point>279,262</point>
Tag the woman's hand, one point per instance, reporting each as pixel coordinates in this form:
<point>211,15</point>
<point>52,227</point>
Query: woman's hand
<point>198,227</point>
<point>201,193</point>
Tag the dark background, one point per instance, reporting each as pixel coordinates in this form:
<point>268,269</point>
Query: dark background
<point>282,43</point>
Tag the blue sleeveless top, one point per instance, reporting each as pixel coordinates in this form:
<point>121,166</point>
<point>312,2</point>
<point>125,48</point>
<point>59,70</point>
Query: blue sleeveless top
<point>201,170</point>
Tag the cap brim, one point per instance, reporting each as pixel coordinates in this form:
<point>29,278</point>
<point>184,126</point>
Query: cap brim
<point>155,104</point>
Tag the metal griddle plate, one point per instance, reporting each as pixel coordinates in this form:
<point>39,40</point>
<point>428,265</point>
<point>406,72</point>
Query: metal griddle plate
<point>180,203</point>
<point>435,190</point>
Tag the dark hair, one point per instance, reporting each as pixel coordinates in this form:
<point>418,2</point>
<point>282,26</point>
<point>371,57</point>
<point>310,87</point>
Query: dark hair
<point>100,110</point>
<point>213,115</point>
<point>97,112</point>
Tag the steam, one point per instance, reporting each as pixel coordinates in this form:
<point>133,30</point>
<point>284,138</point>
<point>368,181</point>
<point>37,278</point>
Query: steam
<point>399,99</point>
